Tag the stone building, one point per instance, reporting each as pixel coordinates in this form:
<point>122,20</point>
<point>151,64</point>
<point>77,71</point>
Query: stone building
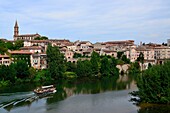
<point>5,60</point>
<point>17,36</point>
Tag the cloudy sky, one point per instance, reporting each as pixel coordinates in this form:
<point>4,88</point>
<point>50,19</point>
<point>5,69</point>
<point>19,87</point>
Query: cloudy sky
<point>93,20</point>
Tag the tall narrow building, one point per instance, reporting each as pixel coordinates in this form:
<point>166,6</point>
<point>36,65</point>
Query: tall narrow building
<point>17,36</point>
<point>16,29</point>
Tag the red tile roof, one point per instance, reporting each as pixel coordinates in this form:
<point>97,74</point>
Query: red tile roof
<point>2,56</point>
<point>20,52</point>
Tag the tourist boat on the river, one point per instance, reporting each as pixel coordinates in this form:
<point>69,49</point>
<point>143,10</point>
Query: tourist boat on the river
<point>45,90</point>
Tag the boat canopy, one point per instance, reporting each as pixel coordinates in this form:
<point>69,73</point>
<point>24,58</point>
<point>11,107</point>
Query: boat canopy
<point>50,86</point>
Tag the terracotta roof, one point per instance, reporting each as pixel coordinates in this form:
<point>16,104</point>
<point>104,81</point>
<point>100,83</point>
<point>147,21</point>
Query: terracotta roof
<point>36,41</point>
<point>28,35</point>
<point>20,52</point>
<point>59,40</point>
<point>109,51</point>
<point>2,56</point>
<point>30,47</point>
<point>162,47</point>
<point>120,42</point>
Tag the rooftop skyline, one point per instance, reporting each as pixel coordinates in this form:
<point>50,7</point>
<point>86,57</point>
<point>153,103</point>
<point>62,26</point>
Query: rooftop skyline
<point>96,21</point>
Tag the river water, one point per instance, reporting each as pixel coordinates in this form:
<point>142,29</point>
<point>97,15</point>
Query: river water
<point>109,95</point>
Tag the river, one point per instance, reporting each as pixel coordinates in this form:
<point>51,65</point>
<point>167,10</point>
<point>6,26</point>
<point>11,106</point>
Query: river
<point>110,95</point>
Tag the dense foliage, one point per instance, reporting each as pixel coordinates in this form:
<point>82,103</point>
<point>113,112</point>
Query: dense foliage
<point>15,72</point>
<point>122,59</point>
<point>41,38</point>
<point>58,68</point>
<point>56,62</point>
<point>4,46</point>
<point>154,85</point>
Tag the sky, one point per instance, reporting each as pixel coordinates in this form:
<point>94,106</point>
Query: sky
<point>92,20</point>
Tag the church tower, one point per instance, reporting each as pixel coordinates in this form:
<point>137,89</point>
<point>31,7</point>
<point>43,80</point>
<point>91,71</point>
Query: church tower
<point>16,29</point>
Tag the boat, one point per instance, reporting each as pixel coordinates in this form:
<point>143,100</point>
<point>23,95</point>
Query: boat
<point>45,90</point>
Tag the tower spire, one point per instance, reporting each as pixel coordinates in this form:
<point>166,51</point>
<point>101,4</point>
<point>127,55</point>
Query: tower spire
<point>16,23</point>
<point>16,29</point>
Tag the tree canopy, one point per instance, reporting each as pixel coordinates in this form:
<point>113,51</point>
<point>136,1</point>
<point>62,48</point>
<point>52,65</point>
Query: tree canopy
<point>154,85</point>
<point>56,62</point>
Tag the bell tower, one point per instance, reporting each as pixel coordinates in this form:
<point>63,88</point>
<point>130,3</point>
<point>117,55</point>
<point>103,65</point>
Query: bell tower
<point>16,29</point>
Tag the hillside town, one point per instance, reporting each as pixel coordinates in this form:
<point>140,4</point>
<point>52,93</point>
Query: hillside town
<point>34,51</point>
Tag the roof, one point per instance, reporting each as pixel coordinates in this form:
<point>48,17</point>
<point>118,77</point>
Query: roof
<point>2,56</point>
<point>121,42</point>
<point>21,52</point>
<point>109,51</point>
<point>37,41</point>
<point>31,47</point>
<point>16,24</point>
<point>28,35</point>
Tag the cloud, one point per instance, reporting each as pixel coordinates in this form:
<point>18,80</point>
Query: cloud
<point>82,19</point>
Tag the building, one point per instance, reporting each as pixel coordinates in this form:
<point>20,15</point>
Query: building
<point>33,49</point>
<point>21,55</point>
<point>162,52</point>
<point>17,36</point>
<point>39,61</point>
<point>168,42</point>
<point>5,60</point>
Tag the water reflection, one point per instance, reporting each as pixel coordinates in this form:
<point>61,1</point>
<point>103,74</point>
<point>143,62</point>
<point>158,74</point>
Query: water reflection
<point>104,95</point>
<point>97,86</point>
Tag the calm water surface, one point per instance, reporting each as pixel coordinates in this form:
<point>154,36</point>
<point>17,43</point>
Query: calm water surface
<point>100,96</point>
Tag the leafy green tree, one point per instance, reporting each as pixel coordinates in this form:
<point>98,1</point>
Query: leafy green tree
<point>3,50</point>
<point>22,69</point>
<point>134,68</point>
<point>119,55</point>
<point>105,67</point>
<point>7,73</point>
<point>56,62</point>
<point>149,65</point>
<point>32,72</point>
<point>125,59</point>
<point>18,44</point>
<point>71,67</point>
<point>113,70</point>
<point>95,62</point>
<point>154,85</point>
<point>84,68</point>
<point>41,38</point>
<point>9,45</point>
<point>77,55</point>
<point>141,58</point>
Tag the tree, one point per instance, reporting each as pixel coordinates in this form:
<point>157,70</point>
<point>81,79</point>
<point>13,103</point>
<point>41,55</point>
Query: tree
<point>113,70</point>
<point>9,45</point>
<point>95,62</point>
<point>22,69</point>
<point>7,73</point>
<point>134,68</point>
<point>18,44</point>
<point>56,62</point>
<point>84,68</point>
<point>141,58</point>
<point>77,55</point>
<point>105,67</point>
<point>119,55</point>
<point>71,67</point>
<point>41,38</point>
<point>149,65</point>
<point>125,59</point>
<point>154,85</point>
